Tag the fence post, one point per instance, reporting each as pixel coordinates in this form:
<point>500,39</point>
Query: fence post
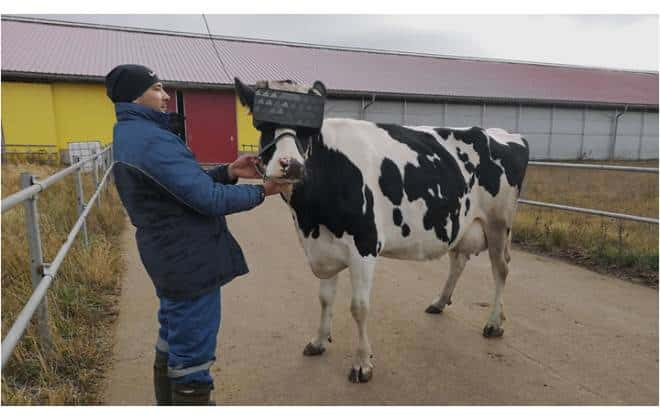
<point>81,202</point>
<point>36,259</point>
<point>105,164</point>
<point>96,177</point>
<point>108,160</point>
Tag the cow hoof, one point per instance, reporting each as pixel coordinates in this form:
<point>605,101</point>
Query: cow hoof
<point>358,375</point>
<point>491,331</point>
<point>312,350</point>
<point>433,310</point>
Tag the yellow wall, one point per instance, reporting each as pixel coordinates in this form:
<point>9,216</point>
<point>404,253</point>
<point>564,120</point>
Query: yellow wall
<point>56,113</point>
<point>248,136</point>
<point>27,114</point>
<point>83,112</point>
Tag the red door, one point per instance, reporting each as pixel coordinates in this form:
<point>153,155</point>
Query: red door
<point>211,125</point>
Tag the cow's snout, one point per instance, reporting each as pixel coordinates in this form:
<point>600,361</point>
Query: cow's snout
<point>292,169</point>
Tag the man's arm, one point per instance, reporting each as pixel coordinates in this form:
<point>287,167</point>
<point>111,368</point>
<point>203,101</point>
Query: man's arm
<point>174,167</point>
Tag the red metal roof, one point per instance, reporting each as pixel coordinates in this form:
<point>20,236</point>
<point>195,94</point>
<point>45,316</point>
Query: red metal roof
<point>89,51</point>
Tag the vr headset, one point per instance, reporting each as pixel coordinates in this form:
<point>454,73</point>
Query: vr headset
<point>287,108</point>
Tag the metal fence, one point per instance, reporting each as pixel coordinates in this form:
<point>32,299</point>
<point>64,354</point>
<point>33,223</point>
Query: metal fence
<point>592,211</point>
<point>42,272</point>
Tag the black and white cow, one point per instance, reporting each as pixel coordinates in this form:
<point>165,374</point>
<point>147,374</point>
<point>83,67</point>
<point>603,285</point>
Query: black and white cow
<point>361,190</point>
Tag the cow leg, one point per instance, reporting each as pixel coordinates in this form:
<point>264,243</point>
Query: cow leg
<point>327,293</point>
<point>361,278</point>
<point>497,244</point>
<point>457,262</point>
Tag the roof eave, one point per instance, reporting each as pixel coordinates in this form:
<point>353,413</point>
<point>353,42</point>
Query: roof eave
<point>8,75</point>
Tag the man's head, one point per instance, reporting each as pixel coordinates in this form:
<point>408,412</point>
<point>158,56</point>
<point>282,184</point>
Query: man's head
<point>137,84</point>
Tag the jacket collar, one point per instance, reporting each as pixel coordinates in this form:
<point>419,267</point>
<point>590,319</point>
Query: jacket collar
<point>130,111</point>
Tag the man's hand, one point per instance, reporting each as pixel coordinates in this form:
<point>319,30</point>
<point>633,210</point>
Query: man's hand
<point>244,167</point>
<point>272,187</point>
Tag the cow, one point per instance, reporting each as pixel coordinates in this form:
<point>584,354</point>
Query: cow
<point>362,190</point>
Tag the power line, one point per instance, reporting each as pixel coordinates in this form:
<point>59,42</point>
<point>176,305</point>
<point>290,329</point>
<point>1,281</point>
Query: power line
<point>217,53</point>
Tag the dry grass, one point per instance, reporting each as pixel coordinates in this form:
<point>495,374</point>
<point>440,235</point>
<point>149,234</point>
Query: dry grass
<point>627,248</point>
<point>81,301</point>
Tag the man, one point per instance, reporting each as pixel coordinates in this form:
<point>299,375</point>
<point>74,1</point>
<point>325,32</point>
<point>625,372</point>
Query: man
<point>179,211</point>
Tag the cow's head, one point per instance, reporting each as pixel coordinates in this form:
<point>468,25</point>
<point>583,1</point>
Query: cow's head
<point>288,118</point>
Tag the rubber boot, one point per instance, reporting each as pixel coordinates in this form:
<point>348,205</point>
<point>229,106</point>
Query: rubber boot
<point>162,387</point>
<point>192,394</point>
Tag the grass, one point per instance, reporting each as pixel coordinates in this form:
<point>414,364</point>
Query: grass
<point>625,248</point>
<point>82,300</point>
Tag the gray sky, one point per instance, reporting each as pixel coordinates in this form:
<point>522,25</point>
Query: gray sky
<point>612,41</point>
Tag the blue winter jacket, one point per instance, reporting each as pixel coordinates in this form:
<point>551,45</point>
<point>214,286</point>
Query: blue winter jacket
<point>178,208</point>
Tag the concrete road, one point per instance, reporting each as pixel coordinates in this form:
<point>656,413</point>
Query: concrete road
<point>572,336</point>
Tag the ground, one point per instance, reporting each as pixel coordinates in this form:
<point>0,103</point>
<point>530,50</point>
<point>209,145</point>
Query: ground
<point>572,336</point>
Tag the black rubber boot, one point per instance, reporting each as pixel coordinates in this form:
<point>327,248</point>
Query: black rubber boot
<point>192,394</point>
<point>162,387</point>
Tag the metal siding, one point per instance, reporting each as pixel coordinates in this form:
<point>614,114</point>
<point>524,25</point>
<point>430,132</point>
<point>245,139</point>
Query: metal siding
<point>500,116</point>
<point>651,123</point>
<point>568,121</point>
<point>538,145</point>
<point>189,59</point>
<point>597,134</point>
<point>385,112</point>
<point>650,139</point>
<point>22,105</point>
<point>565,146</point>
<point>535,127</point>
<point>83,112</point>
<point>424,114</point>
<point>626,147</point>
<point>566,133</point>
<point>459,115</point>
<point>627,140</point>
<point>342,108</point>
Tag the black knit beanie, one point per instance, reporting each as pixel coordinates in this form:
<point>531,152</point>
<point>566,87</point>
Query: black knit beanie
<point>127,82</point>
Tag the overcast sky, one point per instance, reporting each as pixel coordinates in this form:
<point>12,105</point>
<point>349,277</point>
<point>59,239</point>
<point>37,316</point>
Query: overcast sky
<point>612,41</point>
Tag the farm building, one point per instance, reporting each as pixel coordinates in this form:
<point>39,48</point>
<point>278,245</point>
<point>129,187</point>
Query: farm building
<point>53,93</point>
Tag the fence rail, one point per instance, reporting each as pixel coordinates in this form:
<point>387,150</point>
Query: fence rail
<point>591,166</point>
<point>592,211</point>
<point>44,273</point>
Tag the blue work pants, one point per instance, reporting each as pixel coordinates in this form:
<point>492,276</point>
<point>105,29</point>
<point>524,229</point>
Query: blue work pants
<point>188,334</point>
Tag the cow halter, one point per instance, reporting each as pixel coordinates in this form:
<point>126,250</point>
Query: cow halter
<point>283,133</point>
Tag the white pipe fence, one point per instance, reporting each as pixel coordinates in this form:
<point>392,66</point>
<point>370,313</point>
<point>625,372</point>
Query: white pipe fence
<point>592,211</point>
<point>44,273</point>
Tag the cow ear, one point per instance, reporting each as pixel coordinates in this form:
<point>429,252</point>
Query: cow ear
<point>245,93</point>
<point>319,87</point>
